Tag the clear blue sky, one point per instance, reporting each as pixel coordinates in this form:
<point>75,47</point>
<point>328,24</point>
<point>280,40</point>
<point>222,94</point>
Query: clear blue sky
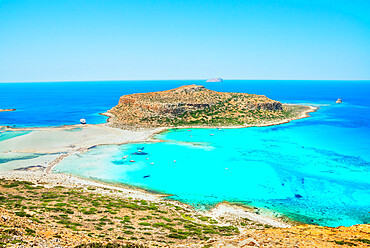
<point>67,40</point>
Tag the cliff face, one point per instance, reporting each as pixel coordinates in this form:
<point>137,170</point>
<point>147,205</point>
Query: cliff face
<point>193,105</point>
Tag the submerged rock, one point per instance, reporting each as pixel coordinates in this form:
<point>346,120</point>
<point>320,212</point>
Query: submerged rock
<point>298,196</point>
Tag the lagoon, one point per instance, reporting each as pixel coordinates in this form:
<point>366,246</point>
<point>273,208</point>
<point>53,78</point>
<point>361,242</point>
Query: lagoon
<point>298,169</point>
<point>314,170</point>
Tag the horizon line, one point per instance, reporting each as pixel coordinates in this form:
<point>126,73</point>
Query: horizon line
<point>120,80</point>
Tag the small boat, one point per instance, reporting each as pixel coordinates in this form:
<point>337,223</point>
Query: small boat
<point>339,100</point>
<point>151,163</point>
<point>83,121</point>
<point>174,161</point>
<point>211,134</point>
<point>139,153</point>
<point>146,176</point>
<point>140,150</point>
<point>126,156</point>
<point>132,161</point>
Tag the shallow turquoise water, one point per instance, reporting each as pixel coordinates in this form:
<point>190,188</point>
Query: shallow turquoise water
<point>4,135</point>
<point>302,169</point>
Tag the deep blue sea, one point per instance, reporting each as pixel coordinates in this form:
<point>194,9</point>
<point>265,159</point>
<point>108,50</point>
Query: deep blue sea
<point>315,170</point>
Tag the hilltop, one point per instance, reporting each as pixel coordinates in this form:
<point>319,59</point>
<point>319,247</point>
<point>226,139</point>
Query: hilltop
<point>194,105</point>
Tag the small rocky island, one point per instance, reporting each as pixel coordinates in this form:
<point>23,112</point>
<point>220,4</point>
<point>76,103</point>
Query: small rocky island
<point>7,110</point>
<point>194,105</point>
<point>215,80</point>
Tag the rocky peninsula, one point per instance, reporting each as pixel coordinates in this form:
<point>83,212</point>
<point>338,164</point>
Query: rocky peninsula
<point>194,105</point>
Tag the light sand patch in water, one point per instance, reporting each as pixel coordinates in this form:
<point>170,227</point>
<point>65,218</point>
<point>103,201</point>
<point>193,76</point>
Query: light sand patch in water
<point>56,140</point>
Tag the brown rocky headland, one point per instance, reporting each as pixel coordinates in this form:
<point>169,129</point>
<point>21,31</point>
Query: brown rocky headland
<point>194,105</point>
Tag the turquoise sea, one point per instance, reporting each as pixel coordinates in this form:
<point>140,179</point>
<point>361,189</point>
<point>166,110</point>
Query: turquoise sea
<point>315,170</point>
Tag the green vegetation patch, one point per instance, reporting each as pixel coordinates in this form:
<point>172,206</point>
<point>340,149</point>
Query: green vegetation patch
<point>105,217</point>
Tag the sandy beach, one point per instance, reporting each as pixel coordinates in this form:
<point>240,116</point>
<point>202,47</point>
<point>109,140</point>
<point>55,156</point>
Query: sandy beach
<point>72,138</point>
<point>52,144</point>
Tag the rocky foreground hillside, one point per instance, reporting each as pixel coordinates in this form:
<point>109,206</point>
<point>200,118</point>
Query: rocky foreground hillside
<point>196,105</point>
<point>39,215</point>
